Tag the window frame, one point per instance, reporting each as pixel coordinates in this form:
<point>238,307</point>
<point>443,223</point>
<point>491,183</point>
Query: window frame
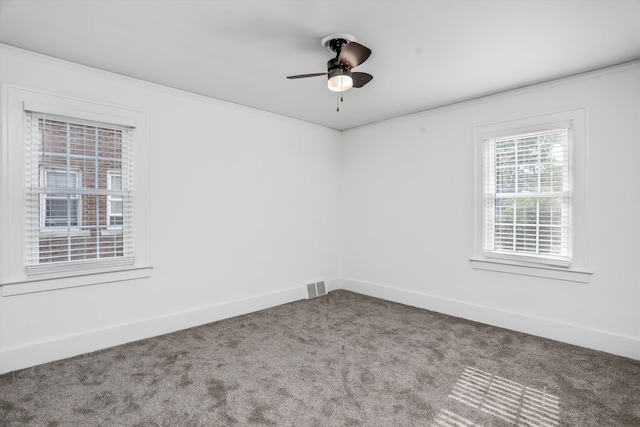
<point>79,151</point>
<point>577,269</point>
<point>14,277</point>
<point>490,177</point>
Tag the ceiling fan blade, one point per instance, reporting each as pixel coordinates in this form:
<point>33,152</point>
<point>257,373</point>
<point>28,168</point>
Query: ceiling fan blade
<point>354,54</point>
<point>360,79</point>
<point>302,76</point>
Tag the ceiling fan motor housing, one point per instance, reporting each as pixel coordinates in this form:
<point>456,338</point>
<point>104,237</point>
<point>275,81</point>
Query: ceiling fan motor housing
<point>335,64</point>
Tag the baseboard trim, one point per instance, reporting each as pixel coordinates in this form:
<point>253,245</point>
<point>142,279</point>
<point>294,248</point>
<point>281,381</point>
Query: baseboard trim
<point>33,354</point>
<point>572,334</point>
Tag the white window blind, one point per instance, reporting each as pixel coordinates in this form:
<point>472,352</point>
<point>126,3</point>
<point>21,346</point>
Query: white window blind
<point>79,179</point>
<point>527,197</point>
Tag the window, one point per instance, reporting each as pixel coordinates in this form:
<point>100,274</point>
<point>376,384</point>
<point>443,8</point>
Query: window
<point>530,212</point>
<point>69,212</point>
<point>77,156</point>
<point>527,206</point>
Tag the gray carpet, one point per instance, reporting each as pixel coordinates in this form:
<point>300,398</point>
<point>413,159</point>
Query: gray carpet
<point>339,360</point>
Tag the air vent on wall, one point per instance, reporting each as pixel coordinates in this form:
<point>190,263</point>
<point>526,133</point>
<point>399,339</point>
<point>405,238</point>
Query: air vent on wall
<point>317,289</point>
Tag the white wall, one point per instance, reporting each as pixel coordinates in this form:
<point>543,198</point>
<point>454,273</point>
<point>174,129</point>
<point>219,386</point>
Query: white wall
<point>408,215</point>
<point>246,206</point>
<point>243,213</point>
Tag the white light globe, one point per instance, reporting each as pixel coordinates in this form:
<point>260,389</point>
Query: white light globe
<point>340,83</point>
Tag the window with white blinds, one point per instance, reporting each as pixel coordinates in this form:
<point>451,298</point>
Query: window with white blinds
<point>79,192</point>
<point>527,196</point>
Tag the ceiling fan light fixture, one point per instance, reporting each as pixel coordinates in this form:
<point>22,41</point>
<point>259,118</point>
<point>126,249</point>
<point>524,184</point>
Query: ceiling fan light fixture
<point>340,80</point>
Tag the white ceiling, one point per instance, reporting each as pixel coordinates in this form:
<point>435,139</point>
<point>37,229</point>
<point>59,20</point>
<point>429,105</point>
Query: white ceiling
<point>425,53</point>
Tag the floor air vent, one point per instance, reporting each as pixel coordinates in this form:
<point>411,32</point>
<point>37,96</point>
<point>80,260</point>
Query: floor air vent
<point>317,289</point>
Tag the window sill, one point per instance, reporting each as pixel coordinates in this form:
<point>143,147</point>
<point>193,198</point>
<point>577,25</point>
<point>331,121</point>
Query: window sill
<point>71,280</point>
<point>555,273</point>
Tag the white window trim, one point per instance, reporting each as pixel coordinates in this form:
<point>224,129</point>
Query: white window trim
<point>14,279</point>
<point>489,177</point>
<point>577,271</point>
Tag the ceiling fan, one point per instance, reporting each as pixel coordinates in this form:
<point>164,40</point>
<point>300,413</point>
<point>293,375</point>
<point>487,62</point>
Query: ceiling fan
<point>349,54</point>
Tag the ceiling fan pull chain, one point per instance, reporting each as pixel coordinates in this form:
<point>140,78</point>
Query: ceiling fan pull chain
<point>339,94</point>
